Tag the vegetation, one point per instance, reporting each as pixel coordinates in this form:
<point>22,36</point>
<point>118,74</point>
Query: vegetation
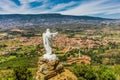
<point>101,42</point>
<point>26,61</point>
<point>88,72</point>
<point>22,73</point>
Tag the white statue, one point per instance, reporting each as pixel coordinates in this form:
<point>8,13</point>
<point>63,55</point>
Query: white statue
<point>47,40</point>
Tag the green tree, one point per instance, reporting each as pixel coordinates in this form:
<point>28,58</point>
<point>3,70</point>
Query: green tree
<point>22,73</point>
<point>89,72</point>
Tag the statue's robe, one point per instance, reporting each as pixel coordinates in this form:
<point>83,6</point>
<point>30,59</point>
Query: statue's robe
<point>47,41</point>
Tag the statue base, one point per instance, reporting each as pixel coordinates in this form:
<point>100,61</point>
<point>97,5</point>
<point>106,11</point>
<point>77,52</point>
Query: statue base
<point>50,56</point>
<point>48,68</point>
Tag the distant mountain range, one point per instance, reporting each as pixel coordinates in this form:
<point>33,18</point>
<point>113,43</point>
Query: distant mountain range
<point>25,20</point>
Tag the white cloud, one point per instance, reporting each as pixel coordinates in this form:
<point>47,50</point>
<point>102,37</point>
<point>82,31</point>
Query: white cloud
<point>26,9</point>
<point>113,11</point>
<point>54,8</point>
<point>106,7</point>
<point>84,8</point>
<point>95,7</point>
<point>7,6</point>
<point>62,6</point>
<point>28,1</point>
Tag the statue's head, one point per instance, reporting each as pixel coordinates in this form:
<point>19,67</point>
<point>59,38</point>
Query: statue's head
<point>47,30</point>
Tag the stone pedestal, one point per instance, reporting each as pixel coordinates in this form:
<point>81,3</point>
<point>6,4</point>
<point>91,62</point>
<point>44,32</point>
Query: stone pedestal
<point>48,68</point>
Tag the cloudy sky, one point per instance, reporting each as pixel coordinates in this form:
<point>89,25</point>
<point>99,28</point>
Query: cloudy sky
<point>100,8</point>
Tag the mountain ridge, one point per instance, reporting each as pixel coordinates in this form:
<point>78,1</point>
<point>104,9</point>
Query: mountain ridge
<point>55,15</point>
<point>23,20</point>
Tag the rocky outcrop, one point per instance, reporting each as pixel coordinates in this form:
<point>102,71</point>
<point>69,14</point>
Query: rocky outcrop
<point>66,75</point>
<point>48,68</point>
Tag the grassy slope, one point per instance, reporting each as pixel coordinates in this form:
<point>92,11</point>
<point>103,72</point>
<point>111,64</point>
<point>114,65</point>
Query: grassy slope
<point>20,61</point>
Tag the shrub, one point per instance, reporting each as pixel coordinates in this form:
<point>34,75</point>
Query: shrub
<point>106,73</point>
<point>22,73</point>
<point>85,72</point>
<point>88,72</point>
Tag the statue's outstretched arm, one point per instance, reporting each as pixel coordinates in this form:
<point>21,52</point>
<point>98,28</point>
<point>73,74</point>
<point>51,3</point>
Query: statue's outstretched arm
<point>54,34</point>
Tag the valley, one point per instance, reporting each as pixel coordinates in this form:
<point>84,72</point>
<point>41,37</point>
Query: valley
<point>79,46</point>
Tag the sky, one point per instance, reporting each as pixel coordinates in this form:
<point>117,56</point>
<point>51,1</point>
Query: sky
<point>98,8</point>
